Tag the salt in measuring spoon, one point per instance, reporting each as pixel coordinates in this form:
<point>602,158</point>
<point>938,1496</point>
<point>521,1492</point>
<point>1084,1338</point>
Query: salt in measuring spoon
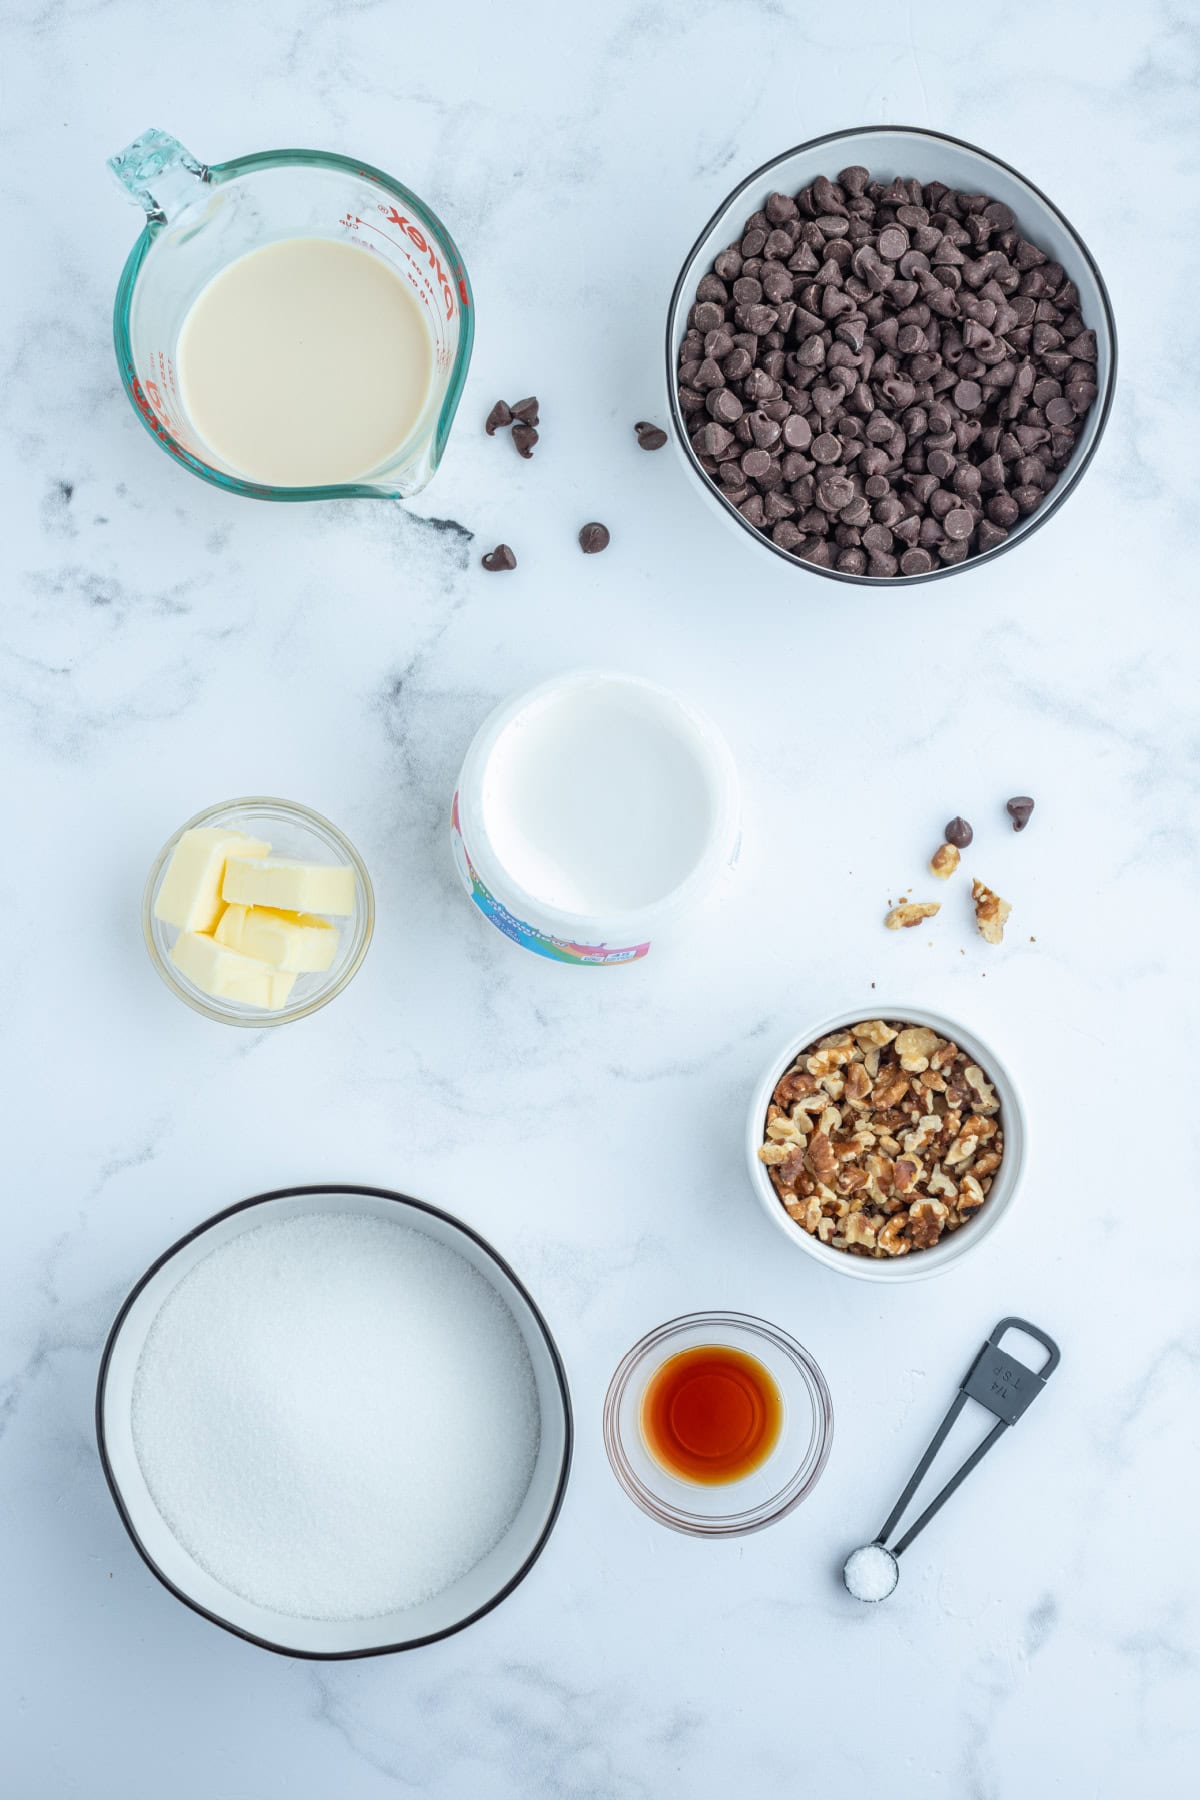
<point>1005,1387</point>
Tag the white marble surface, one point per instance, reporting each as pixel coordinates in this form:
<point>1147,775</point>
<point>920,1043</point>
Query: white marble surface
<point>163,646</point>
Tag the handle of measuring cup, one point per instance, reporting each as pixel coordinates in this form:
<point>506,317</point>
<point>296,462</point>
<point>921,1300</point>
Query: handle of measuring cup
<point>157,172</point>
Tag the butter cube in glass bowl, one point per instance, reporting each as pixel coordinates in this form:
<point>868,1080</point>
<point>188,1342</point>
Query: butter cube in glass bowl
<point>246,961</point>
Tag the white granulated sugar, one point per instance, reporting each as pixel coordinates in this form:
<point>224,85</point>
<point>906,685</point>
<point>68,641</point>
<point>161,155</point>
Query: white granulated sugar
<point>870,1573</point>
<point>336,1416</point>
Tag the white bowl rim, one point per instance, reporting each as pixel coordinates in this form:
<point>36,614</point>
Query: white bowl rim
<point>1044,512</point>
<point>556,1364</point>
<point>922,1264</point>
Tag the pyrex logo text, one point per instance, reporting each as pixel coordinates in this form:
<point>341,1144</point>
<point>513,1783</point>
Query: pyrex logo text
<point>417,237</point>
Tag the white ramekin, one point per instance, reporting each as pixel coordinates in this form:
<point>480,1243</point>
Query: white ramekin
<point>580,938</point>
<point>918,1264</point>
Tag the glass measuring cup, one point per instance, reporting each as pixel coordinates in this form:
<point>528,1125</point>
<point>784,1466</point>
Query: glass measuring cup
<point>200,218</point>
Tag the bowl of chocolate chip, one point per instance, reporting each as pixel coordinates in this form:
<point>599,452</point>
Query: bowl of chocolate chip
<point>886,1143</point>
<point>889,356</point>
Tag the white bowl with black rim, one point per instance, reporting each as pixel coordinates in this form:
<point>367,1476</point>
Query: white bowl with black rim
<point>475,1592</point>
<point>889,151</point>
<point>952,1246</point>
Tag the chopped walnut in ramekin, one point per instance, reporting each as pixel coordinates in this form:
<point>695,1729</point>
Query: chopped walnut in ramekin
<point>882,1136</point>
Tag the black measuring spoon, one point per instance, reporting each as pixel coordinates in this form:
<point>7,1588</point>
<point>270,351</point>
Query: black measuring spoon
<point>1005,1387</point>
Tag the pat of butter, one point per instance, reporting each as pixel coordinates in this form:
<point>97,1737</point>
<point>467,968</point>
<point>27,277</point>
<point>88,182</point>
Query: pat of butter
<point>190,894</point>
<point>225,975</point>
<point>297,887</point>
<point>285,940</point>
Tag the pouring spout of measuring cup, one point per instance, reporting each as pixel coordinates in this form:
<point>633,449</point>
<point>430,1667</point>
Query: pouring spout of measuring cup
<point>157,172</point>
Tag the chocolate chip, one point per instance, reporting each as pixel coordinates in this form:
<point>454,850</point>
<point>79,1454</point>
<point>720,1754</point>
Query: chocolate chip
<point>1019,809</point>
<point>987,535</point>
<point>893,242</point>
<point>500,415</point>
<point>593,538</point>
<point>722,404</point>
<point>958,832</point>
<point>526,410</point>
<point>906,370</point>
<point>712,288</point>
<point>710,440</point>
<point>797,432</point>
<point>524,437</point>
<point>834,492</point>
<point>763,429</point>
<point>499,558</point>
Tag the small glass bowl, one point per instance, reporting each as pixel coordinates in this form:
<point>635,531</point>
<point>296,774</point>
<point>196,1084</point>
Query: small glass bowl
<point>293,831</point>
<point>726,1509</point>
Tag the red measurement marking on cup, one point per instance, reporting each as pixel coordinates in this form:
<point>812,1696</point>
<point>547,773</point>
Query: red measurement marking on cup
<point>352,221</point>
<point>154,409</point>
<point>417,238</point>
<point>422,286</point>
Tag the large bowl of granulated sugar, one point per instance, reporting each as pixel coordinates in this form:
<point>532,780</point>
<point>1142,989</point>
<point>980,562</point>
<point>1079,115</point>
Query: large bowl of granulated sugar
<point>334,1422</point>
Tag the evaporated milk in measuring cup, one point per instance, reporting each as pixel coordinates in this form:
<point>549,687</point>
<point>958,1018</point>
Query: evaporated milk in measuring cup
<point>293,325</point>
<point>263,357</point>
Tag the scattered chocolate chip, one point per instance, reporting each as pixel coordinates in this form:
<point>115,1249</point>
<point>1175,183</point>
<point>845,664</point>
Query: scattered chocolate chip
<point>499,558</point>
<point>500,415</point>
<point>1019,809</point>
<point>904,376</point>
<point>524,437</point>
<point>958,832</point>
<point>649,436</point>
<point>593,538</point>
<point>526,410</point>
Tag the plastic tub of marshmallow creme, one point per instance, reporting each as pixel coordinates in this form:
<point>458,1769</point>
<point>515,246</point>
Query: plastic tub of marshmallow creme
<point>593,814</point>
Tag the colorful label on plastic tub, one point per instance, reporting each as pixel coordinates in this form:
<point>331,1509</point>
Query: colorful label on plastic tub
<point>540,942</point>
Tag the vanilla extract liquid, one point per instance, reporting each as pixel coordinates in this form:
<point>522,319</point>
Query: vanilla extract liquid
<point>711,1414</point>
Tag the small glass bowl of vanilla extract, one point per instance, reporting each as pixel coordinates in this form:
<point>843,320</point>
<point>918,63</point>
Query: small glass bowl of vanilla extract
<point>717,1424</point>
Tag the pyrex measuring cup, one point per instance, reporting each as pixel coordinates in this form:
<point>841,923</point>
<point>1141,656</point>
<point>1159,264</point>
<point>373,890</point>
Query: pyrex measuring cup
<point>200,218</point>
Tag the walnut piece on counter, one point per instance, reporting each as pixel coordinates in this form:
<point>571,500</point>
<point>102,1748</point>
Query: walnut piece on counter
<point>944,861</point>
<point>882,1137</point>
<point>910,913</point>
<point>991,912</point>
